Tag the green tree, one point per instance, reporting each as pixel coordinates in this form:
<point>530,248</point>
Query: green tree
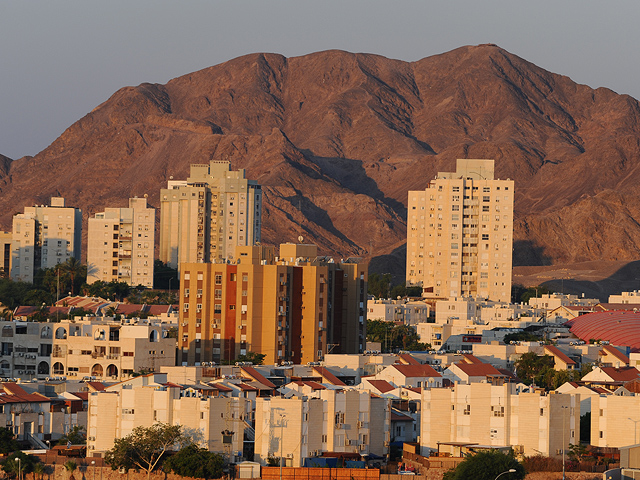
<point>394,337</point>
<point>379,285</point>
<point>193,461</point>
<point>487,466</point>
<point>77,436</point>
<point>532,368</point>
<point>26,465</point>
<point>255,358</point>
<point>8,442</point>
<point>76,271</point>
<point>144,447</point>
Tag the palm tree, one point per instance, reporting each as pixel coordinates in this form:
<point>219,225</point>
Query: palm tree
<point>70,466</point>
<point>73,268</point>
<point>38,471</point>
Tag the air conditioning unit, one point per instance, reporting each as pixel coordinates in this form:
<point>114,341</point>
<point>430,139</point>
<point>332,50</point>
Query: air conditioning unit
<point>348,442</point>
<point>360,424</point>
<point>289,455</point>
<point>386,444</point>
<point>21,354</point>
<point>362,447</point>
<point>21,372</point>
<point>338,425</point>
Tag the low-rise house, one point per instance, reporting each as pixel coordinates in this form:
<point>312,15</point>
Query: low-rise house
<point>411,376</point>
<point>611,356</point>
<point>561,360</point>
<point>611,377</point>
<point>467,373</point>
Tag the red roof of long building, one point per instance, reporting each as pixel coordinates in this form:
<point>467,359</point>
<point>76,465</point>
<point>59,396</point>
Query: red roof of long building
<point>257,376</point>
<point>478,369</point>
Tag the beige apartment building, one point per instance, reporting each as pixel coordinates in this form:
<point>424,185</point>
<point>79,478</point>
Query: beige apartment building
<point>204,218</point>
<point>460,234</point>
<point>121,243</point>
<point>145,400</point>
<point>110,350</point>
<point>615,420</point>
<point>296,308</point>
<point>481,413</point>
<point>44,236</point>
<point>348,421</point>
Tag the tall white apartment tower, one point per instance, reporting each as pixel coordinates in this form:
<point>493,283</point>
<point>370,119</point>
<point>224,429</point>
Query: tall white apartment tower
<point>120,244</point>
<point>460,234</point>
<point>44,236</point>
<point>204,218</point>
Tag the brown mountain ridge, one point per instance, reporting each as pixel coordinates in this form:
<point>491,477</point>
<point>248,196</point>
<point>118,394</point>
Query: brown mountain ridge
<point>337,139</point>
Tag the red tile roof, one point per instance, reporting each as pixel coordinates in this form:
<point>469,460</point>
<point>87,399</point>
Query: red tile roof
<point>257,376</point>
<point>622,374</point>
<point>556,352</point>
<point>416,370</point>
<point>96,386</point>
<point>220,387</point>
<point>408,359</point>
<point>381,385</point>
<point>478,369</point>
<point>468,358</point>
<point>245,387</point>
<point>156,310</point>
<point>328,376</point>
<point>312,385</point>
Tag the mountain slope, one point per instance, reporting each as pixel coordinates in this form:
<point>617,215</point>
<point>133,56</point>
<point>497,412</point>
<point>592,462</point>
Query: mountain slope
<point>337,139</point>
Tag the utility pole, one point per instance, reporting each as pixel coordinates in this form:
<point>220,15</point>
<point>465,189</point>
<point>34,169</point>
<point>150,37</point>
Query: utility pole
<point>282,417</point>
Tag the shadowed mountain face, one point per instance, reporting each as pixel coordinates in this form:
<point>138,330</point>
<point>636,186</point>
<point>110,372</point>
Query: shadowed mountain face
<point>337,139</point>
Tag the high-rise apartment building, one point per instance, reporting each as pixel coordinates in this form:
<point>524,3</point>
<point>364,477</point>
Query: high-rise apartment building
<point>460,234</point>
<point>294,308</point>
<point>204,218</point>
<point>44,236</point>
<point>120,244</point>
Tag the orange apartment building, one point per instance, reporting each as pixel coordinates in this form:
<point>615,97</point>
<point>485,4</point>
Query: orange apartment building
<point>296,307</point>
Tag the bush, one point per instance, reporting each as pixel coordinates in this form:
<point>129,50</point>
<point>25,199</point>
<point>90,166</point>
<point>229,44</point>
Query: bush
<point>193,461</point>
<point>486,466</point>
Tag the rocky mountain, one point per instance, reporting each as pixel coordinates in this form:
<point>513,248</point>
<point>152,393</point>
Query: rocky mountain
<point>337,139</point>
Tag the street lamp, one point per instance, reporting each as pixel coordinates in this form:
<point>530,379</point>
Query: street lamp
<point>511,470</point>
<point>635,430</point>
<point>19,469</point>
<point>93,467</point>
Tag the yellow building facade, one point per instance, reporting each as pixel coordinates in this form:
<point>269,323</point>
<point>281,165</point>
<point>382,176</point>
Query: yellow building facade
<point>288,310</point>
<point>460,234</point>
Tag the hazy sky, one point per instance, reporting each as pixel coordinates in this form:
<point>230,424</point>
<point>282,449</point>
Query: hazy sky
<point>59,59</point>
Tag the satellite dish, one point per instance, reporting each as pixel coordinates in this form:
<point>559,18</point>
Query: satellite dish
<point>300,239</point>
